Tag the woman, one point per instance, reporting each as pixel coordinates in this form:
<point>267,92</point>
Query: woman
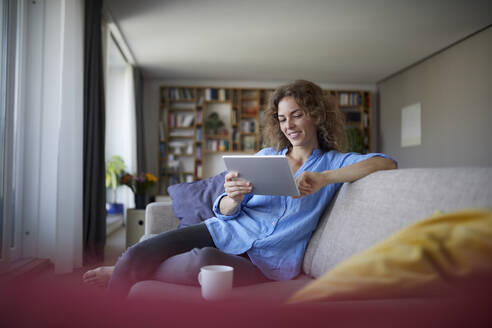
<point>262,237</point>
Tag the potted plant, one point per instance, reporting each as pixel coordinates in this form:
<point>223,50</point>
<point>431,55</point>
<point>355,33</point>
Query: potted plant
<point>355,140</point>
<point>213,124</point>
<point>114,169</point>
<point>141,185</point>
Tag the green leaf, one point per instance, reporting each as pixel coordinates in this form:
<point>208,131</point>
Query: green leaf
<point>114,168</point>
<point>355,140</point>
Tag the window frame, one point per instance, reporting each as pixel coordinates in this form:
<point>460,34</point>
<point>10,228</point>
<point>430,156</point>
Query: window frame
<point>3,114</point>
<point>11,243</point>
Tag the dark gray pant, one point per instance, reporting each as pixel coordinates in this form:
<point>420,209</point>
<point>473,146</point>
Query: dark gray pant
<point>176,257</point>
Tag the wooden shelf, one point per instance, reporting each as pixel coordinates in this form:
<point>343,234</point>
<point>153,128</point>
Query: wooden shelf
<point>352,123</point>
<point>206,99</point>
<point>182,100</point>
<point>182,155</point>
<point>350,106</point>
<point>187,110</point>
<point>181,137</point>
<point>251,116</point>
<point>218,101</point>
<point>217,137</point>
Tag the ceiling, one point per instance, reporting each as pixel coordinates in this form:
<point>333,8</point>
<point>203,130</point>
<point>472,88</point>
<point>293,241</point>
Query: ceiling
<point>332,41</point>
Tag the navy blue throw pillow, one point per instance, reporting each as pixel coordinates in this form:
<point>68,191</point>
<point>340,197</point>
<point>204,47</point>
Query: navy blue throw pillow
<point>193,201</point>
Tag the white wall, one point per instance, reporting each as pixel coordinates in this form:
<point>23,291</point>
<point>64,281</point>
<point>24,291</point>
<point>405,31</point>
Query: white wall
<point>454,88</point>
<point>212,164</point>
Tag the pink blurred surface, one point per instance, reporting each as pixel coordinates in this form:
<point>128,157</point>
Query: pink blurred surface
<point>48,304</point>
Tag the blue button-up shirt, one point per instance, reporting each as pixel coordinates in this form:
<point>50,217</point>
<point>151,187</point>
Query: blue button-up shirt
<point>275,230</point>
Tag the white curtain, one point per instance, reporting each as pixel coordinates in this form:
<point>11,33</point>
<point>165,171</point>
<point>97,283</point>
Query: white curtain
<point>70,148</point>
<point>52,121</point>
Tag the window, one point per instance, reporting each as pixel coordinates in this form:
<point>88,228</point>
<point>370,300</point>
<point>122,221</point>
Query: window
<point>10,43</point>
<point>41,85</point>
<point>3,57</point>
<point>120,115</point>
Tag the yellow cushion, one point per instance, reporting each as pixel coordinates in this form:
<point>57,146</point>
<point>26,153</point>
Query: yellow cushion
<point>428,258</point>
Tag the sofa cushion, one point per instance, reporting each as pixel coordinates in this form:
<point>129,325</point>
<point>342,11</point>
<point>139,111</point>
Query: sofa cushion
<point>275,292</point>
<point>371,209</point>
<point>159,218</point>
<point>435,257</point>
<point>192,202</point>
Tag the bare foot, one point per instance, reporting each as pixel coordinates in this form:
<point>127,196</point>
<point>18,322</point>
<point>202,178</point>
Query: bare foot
<point>99,276</point>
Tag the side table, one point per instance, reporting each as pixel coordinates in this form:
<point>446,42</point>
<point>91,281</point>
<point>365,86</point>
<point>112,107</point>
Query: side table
<point>135,226</point>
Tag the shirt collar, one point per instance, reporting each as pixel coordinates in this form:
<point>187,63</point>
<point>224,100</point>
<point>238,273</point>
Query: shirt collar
<point>316,152</point>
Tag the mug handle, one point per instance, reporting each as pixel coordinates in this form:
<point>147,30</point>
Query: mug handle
<point>200,278</point>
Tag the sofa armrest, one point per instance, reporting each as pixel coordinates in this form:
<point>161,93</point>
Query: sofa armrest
<point>159,217</point>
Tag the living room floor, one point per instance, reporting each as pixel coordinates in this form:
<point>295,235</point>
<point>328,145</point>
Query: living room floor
<point>115,246</point>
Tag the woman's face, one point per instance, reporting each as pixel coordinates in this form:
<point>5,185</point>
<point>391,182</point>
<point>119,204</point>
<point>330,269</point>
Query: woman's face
<point>296,125</point>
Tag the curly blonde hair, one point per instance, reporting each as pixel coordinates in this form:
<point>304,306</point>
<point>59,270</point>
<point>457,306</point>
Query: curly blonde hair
<point>317,104</point>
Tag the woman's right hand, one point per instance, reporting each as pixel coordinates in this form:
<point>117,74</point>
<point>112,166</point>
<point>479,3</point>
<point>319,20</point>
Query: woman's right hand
<point>236,187</point>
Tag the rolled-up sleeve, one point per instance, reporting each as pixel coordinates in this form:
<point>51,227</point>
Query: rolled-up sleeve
<point>352,158</point>
<point>221,216</point>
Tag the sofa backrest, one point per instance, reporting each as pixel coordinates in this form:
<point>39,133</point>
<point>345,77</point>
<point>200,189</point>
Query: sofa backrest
<point>367,211</point>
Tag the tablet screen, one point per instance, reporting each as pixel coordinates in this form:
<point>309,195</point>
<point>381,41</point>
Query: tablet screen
<point>269,175</point>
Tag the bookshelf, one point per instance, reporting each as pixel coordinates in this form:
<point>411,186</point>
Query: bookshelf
<point>356,108</point>
<point>186,136</point>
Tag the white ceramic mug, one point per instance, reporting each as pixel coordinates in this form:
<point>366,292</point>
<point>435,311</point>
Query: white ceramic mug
<point>216,281</point>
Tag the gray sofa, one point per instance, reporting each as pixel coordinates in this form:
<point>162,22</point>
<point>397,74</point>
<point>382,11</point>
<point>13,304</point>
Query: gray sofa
<point>363,213</point>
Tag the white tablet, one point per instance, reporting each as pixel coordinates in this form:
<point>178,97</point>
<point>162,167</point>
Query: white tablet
<point>269,175</point>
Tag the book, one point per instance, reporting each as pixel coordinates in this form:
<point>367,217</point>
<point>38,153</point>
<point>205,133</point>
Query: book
<point>199,134</point>
<point>181,133</point>
<point>162,131</point>
<point>249,143</point>
<point>366,119</point>
<point>199,171</point>
<point>250,110</point>
<point>178,94</point>
<point>162,148</point>
<point>248,126</point>
<point>199,117</point>
<point>185,120</point>
<point>198,152</point>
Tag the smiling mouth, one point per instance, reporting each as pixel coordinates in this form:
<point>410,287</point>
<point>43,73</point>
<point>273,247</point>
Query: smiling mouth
<point>294,135</point>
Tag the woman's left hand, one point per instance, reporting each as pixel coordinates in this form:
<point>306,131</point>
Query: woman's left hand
<point>309,183</point>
